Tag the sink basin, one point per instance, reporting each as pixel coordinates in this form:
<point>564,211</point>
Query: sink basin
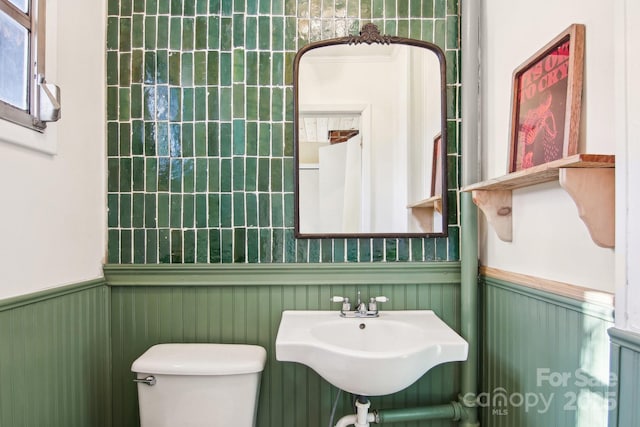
<point>368,356</point>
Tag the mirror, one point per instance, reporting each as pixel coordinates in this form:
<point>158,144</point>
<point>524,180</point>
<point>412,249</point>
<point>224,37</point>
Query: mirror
<point>370,137</point>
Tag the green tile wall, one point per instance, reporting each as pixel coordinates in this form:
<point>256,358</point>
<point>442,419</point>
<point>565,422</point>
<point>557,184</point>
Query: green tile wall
<point>200,130</point>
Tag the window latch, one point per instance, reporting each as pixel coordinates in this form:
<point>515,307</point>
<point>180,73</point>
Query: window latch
<point>48,101</point>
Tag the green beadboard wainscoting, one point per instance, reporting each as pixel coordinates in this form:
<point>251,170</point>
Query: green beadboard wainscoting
<point>545,358</point>
<point>243,304</point>
<point>55,358</point>
<point>200,127</point>
<point>625,369</point>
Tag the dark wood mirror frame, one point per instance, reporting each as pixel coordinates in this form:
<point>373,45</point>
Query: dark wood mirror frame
<point>371,35</point>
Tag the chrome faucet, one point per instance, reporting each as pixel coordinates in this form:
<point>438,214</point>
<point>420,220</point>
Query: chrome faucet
<point>361,308</point>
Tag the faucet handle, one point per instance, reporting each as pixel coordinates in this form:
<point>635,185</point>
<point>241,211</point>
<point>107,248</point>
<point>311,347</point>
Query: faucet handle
<point>373,303</point>
<point>346,305</point>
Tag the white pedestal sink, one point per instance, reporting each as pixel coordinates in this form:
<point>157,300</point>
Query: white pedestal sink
<point>368,356</point>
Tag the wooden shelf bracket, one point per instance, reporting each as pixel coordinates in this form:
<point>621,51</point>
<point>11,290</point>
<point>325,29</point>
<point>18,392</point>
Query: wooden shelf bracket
<point>496,206</point>
<point>593,191</point>
<point>423,211</point>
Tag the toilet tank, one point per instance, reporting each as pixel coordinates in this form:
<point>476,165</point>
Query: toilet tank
<point>197,385</point>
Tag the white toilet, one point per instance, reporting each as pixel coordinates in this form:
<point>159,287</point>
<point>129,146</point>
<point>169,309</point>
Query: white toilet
<point>198,385</point>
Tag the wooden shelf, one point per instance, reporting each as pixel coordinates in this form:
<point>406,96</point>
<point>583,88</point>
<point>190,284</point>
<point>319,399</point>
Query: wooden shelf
<point>423,210</point>
<point>588,178</point>
<point>434,202</point>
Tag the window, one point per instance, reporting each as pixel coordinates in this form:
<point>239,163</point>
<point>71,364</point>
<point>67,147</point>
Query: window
<point>25,97</point>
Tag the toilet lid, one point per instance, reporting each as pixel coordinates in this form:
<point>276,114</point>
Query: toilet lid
<point>201,359</point>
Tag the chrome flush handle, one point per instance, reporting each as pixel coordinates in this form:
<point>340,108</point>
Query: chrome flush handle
<point>150,380</point>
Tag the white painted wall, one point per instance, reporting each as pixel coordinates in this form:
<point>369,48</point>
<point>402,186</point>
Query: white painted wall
<point>52,215</point>
<point>549,239</point>
<point>627,133</point>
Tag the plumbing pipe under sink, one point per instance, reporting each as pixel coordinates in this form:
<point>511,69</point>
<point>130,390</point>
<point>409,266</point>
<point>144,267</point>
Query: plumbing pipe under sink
<point>361,418</point>
<point>453,411</point>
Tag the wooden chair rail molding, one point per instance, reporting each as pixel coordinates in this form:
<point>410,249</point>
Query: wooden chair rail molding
<point>588,178</point>
<point>579,293</point>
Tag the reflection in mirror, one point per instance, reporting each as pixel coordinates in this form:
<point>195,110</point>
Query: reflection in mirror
<point>367,118</point>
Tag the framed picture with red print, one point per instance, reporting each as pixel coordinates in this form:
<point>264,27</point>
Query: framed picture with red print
<point>546,100</point>
<point>436,167</point>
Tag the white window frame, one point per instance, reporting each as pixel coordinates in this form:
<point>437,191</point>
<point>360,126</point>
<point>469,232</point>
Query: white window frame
<point>34,23</point>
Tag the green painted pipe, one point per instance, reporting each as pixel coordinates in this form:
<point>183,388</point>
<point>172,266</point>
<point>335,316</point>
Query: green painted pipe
<point>470,319</point>
<point>451,411</point>
<point>470,142</point>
